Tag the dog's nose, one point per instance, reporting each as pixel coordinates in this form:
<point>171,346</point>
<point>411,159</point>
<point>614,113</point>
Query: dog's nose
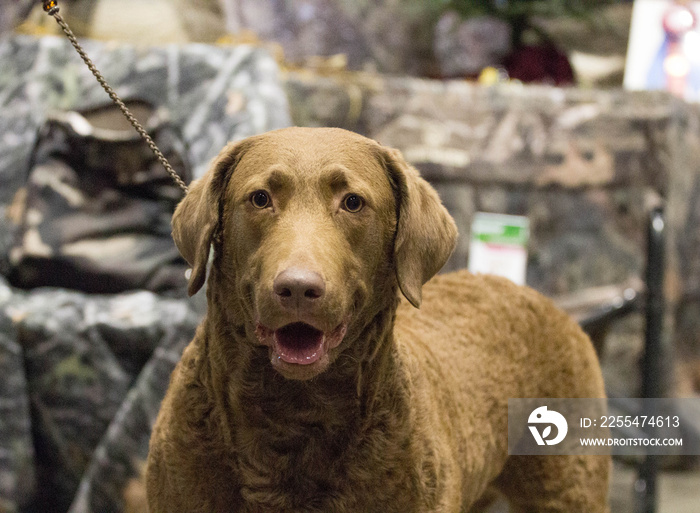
<point>298,288</point>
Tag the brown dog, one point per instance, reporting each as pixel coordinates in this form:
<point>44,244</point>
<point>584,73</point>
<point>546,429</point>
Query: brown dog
<point>311,387</point>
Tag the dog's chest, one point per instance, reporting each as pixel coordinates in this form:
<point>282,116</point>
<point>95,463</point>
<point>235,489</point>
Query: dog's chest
<point>319,468</point>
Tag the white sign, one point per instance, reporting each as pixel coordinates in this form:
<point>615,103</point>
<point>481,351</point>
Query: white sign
<point>498,246</point>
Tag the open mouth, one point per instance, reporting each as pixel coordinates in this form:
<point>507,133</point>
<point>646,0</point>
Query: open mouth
<point>299,343</point>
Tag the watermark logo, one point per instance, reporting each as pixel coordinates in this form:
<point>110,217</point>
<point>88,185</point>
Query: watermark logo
<point>542,416</point>
<point>602,426</point>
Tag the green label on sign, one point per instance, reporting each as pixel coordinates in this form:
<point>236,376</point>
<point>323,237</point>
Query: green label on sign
<point>500,229</point>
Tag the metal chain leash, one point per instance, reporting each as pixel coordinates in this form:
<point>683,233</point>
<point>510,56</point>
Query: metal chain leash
<point>51,8</point>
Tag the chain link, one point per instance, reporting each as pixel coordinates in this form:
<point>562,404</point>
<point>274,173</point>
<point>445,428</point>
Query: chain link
<point>51,7</point>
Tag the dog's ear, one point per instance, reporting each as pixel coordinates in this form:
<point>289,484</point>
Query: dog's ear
<point>426,234</point>
<point>196,218</point>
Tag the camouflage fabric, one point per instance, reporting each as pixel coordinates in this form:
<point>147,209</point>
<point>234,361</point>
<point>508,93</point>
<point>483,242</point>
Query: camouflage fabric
<point>82,355</point>
<point>95,213</point>
<point>16,449</point>
<point>112,482</point>
<point>212,94</point>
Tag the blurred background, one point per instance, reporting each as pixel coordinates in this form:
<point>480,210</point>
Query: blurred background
<point>578,117</point>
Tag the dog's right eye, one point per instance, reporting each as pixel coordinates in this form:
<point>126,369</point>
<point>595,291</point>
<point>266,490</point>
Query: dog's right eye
<point>260,199</point>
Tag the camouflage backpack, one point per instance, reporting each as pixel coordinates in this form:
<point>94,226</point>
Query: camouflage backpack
<point>95,212</point>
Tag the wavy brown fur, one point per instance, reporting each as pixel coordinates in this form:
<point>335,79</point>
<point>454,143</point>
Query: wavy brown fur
<point>409,413</point>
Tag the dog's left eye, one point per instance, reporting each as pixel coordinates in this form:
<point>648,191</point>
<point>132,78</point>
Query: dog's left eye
<point>353,203</point>
<point>260,199</point>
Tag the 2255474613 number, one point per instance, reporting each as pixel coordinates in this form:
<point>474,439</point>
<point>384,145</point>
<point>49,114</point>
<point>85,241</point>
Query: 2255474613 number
<point>641,421</point>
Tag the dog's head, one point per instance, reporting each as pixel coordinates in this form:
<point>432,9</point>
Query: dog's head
<point>313,229</point>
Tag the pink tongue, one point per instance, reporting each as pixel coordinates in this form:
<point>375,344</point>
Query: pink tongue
<point>299,343</point>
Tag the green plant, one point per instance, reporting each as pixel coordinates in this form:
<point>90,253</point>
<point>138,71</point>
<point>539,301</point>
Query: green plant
<point>514,9</point>
<point>519,13</point>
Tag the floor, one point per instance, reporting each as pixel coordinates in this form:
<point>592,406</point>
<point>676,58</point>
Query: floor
<point>679,492</point>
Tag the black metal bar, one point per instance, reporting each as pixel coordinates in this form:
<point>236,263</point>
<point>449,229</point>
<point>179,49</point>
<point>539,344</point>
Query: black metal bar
<point>654,358</point>
<point>652,366</point>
